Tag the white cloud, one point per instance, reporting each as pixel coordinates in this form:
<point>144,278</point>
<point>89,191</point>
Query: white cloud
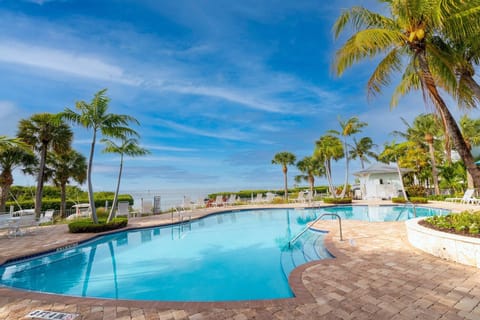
<point>62,61</point>
<point>9,117</point>
<point>229,135</point>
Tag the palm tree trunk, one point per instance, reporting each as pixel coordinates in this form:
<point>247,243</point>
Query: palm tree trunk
<point>342,195</point>
<point>63,199</point>
<point>434,168</point>
<point>6,180</point>
<point>40,177</point>
<point>91,200</point>
<point>328,173</point>
<point>311,181</point>
<point>285,170</point>
<point>452,126</point>
<point>111,215</point>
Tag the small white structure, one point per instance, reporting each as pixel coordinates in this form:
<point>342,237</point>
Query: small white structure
<point>380,181</point>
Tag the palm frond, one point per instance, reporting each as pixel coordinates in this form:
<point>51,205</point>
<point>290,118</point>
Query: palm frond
<point>382,75</point>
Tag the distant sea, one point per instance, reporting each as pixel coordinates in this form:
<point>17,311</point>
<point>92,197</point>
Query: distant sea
<point>169,198</point>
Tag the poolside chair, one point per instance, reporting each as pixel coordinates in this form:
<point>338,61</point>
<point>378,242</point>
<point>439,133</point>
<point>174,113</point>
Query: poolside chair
<point>258,199</point>
<point>300,198</point>
<point>123,209</point>
<point>269,197</point>
<point>231,200</point>
<point>467,197</point>
<point>218,201</point>
<point>47,216</point>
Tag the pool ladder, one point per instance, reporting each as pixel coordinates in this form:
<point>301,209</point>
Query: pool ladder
<point>405,208</point>
<point>291,242</point>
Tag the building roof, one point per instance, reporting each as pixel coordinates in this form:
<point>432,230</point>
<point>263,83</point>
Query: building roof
<point>380,168</point>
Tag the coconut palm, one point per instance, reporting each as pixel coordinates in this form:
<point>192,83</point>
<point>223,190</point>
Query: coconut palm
<point>6,142</point>
<point>362,150</point>
<point>471,134</point>
<point>11,157</point>
<point>65,166</point>
<point>284,159</point>
<point>44,132</point>
<point>310,167</point>
<point>128,147</point>
<point>328,148</point>
<point>349,127</point>
<point>408,34</point>
<point>95,117</point>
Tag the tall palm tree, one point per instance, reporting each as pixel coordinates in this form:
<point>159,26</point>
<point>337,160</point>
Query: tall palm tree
<point>349,127</point>
<point>44,132</point>
<point>95,117</point>
<point>471,134</point>
<point>310,167</point>
<point>362,150</point>
<point>284,159</point>
<point>128,147</point>
<point>6,142</point>
<point>11,157</point>
<point>65,166</point>
<point>328,148</point>
<point>409,32</point>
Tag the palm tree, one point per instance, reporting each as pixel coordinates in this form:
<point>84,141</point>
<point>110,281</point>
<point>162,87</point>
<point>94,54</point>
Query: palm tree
<point>44,132</point>
<point>129,147</point>
<point>65,166</point>
<point>11,157</point>
<point>328,148</point>
<point>95,116</point>
<point>284,159</point>
<point>311,167</point>
<point>410,32</point>
<point>362,150</point>
<point>349,127</point>
<point>6,142</point>
<point>471,134</point>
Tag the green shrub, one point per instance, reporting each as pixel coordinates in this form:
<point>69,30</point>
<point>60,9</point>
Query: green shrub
<point>399,200</point>
<point>464,222</point>
<point>87,225</point>
<point>416,191</point>
<point>278,200</point>
<point>412,200</point>
<point>337,200</point>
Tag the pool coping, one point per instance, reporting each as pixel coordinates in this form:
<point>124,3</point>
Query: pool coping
<point>295,280</point>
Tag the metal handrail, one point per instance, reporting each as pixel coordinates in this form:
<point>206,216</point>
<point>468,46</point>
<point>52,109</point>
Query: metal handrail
<point>314,221</point>
<point>405,207</point>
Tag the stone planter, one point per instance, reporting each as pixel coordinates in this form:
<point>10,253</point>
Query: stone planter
<point>461,249</point>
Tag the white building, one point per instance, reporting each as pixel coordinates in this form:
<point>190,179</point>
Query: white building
<point>379,181</point>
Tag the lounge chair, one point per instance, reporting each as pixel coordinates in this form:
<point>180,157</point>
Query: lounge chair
<point>300,198</point>
<point>123,209</point>
<point>467,197</point>
<point>47,216</point>
<point>269,197</point>
<point>231,200</point>
<point>258,199</point>
<point>218,201</point>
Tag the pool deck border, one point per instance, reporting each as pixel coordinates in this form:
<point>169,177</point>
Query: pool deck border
<point>304,295</point>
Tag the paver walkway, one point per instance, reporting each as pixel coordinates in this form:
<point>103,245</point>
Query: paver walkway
<point>376,275</point>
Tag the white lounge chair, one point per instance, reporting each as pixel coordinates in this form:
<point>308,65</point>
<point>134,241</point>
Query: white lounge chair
<point>47,216</point>
<point>269,197</point>
<point>300,198</point>
<point>467,197</point>
<point>218,201</point>
<point>231,200</point>
<point>258,199</point>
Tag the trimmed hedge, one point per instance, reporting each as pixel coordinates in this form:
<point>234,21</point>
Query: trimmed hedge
<point>467,223</point>
<point>87,225</point>
<point>246,194</point>
<point>337,200</point>
<point>417,200</point>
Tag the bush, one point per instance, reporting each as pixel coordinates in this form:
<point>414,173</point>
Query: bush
<point>467,223</point>
<point>87,225</point>
<point>411,199</point>
<point>416,191</point>
<point>337,200</point>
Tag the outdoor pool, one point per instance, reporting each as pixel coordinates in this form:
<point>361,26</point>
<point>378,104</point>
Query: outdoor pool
<point>236,255</point>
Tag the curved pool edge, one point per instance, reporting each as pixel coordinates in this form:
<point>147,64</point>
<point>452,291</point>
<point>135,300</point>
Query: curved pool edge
<point>302,294</point>
<point>447,246</point>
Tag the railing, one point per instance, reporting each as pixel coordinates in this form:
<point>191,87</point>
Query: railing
<point>405,208</point>
<point>291,242</point>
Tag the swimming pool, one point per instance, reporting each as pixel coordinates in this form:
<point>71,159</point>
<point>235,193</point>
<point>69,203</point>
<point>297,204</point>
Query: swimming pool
<point>242,255</point>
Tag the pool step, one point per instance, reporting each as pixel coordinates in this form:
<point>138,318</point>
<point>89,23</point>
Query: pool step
<point>308,247</point>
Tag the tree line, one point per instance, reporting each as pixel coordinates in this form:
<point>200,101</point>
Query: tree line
<point>43,148</point>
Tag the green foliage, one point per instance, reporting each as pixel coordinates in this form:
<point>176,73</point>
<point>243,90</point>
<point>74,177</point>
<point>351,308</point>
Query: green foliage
<point>421,200</point>
<point>88,226</point>
<point>416,191</point>
<point>464,222</point>
<point>337,200</point>
<point>278,200</point>
<point>247,194</point>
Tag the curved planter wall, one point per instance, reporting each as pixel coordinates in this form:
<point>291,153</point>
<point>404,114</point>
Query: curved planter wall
<point>465,250</point>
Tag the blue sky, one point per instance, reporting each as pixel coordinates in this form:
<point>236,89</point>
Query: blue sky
<point>219,87</point>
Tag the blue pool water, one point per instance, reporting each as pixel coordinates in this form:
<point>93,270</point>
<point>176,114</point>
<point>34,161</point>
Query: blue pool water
<point>241,255</point>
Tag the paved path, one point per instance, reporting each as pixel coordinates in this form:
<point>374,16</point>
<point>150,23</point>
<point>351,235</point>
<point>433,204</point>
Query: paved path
<point>376,275</point>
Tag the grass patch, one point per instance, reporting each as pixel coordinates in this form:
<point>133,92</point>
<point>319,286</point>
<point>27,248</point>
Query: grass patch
<point>464,223</point>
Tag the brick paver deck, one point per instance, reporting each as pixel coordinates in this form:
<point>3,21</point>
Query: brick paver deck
<point>376,275</point>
